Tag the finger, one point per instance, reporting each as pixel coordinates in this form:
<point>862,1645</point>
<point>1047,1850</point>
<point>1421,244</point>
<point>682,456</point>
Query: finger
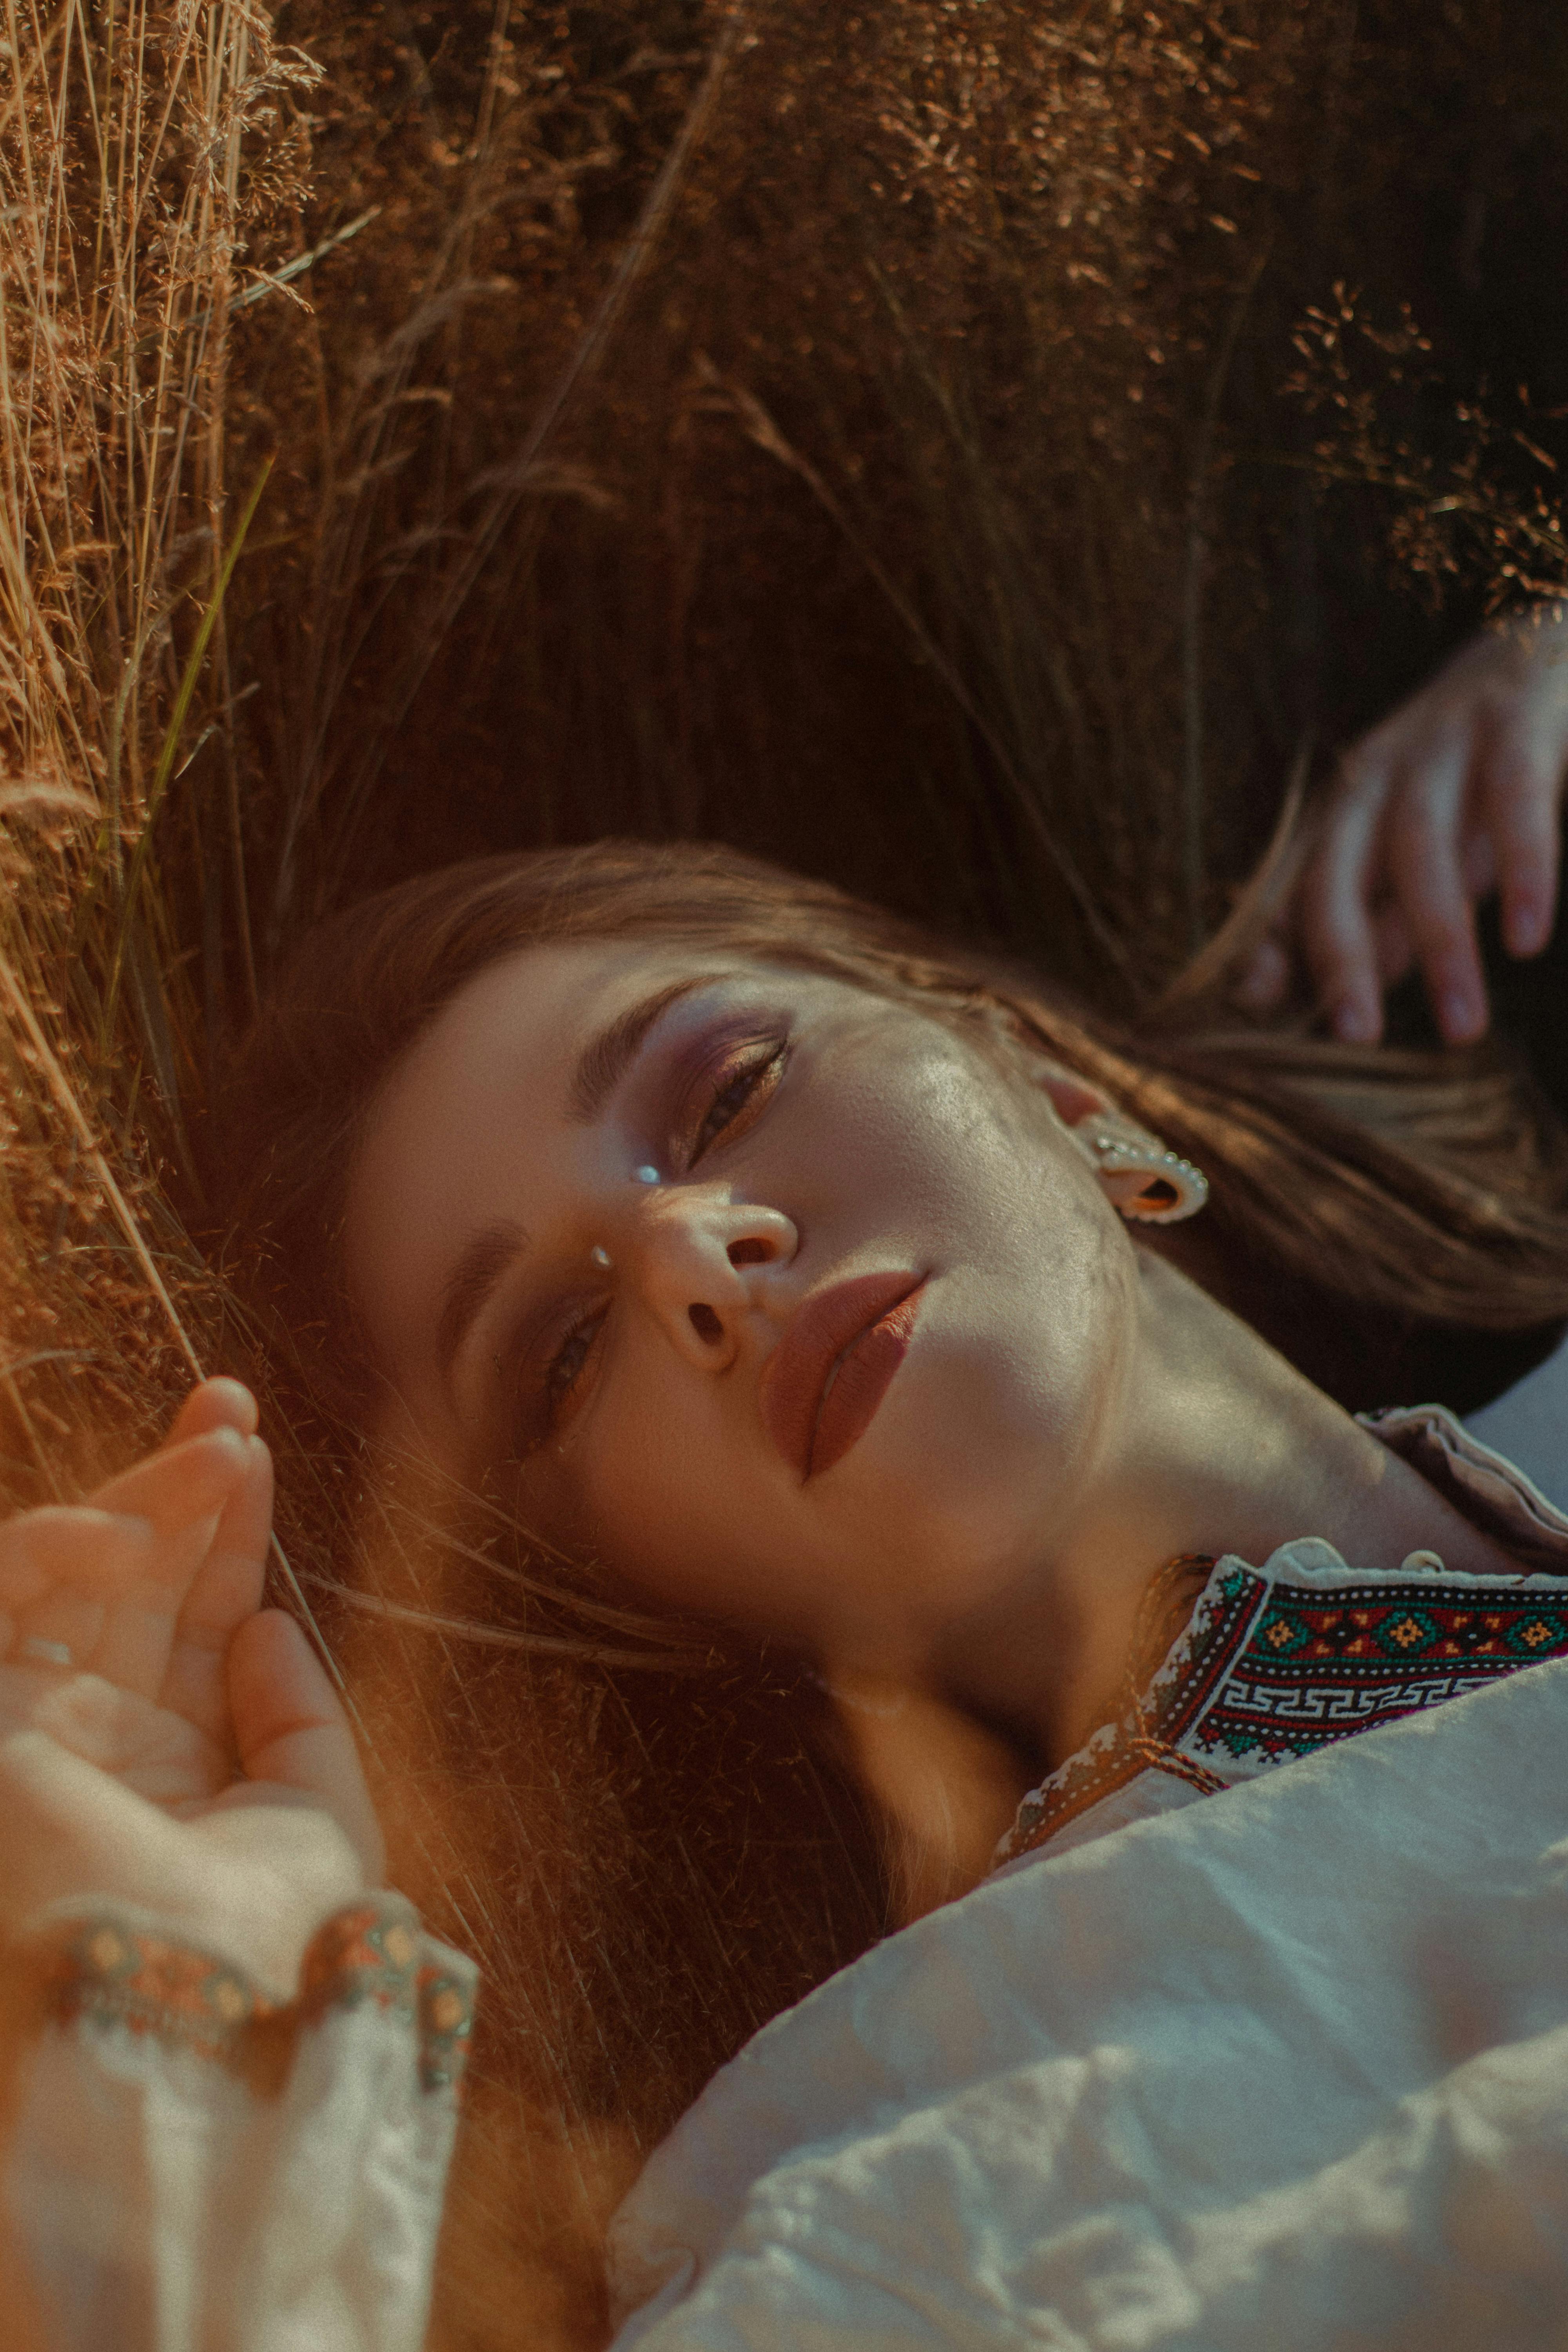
<point>1262,982</point>
<point>291,1730</point>
<point>226,1590</point>
<point>151,1753</point>
<point>1425,880</point>
<point>82,1548</point>
<point>171,1487</point>
<point>219,1403</point>
<point>57,1568</point>
<point>1522,790</point>
<point>1336,922</point>
<point>185,1493</point>
<point>1478,864</point>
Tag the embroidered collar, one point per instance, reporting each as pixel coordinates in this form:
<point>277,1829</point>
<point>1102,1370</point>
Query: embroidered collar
<point>1277,1662</point>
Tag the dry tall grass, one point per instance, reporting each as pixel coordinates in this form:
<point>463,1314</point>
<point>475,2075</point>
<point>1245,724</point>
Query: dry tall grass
<point>129,200</point>
<point>443,423</point>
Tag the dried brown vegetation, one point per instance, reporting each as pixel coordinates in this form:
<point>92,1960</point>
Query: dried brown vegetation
<point>962,446</point>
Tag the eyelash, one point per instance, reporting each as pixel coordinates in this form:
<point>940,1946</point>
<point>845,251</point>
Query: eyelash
<point>746,1078</point>
<point>766,1060</point>
<point>556,1388</point>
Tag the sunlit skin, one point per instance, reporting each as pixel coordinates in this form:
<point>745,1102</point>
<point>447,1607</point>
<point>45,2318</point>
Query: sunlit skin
<point>1072,1411</point>
<point>1074,1408</point>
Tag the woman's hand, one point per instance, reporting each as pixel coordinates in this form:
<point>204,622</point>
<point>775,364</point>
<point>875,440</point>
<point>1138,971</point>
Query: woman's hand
<point>194,1758</point>
<point>1457,793</point>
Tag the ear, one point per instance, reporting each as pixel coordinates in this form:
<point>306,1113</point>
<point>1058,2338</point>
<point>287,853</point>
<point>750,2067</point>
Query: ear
<point>1071,1097</point>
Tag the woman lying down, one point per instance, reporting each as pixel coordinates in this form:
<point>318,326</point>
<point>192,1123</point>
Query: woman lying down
<point>799,1272</point>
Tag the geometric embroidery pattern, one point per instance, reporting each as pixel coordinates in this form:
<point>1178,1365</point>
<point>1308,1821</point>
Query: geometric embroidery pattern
<point>1271,1669</point>
<point>1153,1717</point>
<point>1318,1664</point>
<point>446,2029</point>
<point>101,1972</point>
<point>362,1956</point>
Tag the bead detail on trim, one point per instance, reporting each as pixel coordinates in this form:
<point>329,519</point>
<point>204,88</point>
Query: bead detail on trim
<point>1171,1187</point>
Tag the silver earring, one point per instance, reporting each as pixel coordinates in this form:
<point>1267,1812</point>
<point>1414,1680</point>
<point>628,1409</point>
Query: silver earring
<point>644,1176</point>
<point>1145,1182</point>
<point>601,1257</point>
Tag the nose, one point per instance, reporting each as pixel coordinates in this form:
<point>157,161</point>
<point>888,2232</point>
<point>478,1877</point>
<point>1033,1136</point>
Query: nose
<point>694,1257</point>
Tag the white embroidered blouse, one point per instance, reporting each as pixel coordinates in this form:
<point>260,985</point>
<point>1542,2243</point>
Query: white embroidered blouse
<point>187,2167</point>
<point>1281,1662</point>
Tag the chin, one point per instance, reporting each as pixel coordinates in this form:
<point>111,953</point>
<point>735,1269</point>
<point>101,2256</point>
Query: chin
<point>962,1489</point>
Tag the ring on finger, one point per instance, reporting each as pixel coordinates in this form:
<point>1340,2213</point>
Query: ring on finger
<point>35,1649</point>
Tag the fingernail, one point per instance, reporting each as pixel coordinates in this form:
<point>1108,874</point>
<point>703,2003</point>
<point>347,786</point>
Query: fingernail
<point>1526,926</point>
<point>1355,1024</point>
<point>1459,1016</point>
<point>1262,981</point>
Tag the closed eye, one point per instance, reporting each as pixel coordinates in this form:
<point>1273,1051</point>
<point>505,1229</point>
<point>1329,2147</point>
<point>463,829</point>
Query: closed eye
<point>547,1399</point>
<point>742,1093</point>
<point>565,1365</point>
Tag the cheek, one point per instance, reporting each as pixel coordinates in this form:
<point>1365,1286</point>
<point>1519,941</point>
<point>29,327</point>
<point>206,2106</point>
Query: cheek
<point>1001,1411</point>
<point>661,1491</point>
<point>891,1155</point>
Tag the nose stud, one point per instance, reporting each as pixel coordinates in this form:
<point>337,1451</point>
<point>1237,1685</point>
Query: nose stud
<point>644,1176</point>
<point>601,1257</point>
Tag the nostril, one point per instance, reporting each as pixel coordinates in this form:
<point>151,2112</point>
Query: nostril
<point>751,1252</point>
<point>705,1323</point>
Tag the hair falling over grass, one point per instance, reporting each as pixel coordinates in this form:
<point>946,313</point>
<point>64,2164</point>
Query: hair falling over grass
<point>973,451</point>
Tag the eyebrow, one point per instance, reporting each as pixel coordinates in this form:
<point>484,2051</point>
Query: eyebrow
<point>470,1283</point>
<point>601,1066</point>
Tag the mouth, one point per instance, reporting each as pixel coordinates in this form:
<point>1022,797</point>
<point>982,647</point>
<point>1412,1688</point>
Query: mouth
<point>823,1383</point>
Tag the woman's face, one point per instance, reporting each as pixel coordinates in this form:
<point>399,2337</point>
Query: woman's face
<point>854,1354</point>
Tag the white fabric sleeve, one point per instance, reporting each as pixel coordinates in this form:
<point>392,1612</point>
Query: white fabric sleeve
<point>1529,1422</point>
<point>190,2169</point>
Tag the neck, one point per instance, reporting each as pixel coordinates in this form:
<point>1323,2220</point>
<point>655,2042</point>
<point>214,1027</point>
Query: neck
<point>1215,1444</point>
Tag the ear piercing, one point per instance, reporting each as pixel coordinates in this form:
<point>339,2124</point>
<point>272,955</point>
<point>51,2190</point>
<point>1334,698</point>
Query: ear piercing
<point>601,1257</point>
<point>644,1176</point>
<point>1146,1183</point>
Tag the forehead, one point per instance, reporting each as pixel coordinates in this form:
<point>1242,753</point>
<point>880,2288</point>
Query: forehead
<point>510,1036</point>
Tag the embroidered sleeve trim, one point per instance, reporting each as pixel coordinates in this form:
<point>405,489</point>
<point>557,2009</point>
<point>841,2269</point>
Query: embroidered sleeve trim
<point>97,1967</point>
<point>101,1971</point>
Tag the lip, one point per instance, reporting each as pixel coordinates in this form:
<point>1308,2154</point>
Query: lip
<point>859,1329</point>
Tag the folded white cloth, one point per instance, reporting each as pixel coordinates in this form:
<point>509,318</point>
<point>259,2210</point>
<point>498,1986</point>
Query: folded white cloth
<point>1286,2067</point>
<point>1528,1423</point>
